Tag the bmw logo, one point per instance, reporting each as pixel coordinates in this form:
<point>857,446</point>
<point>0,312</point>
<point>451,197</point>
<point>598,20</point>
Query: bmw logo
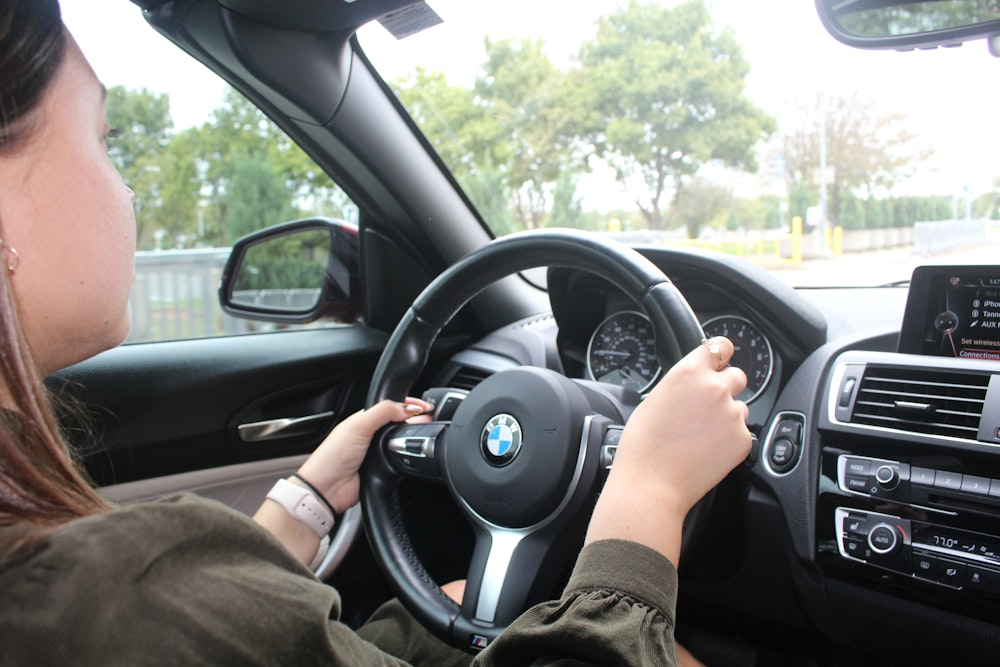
<point>501,439</point>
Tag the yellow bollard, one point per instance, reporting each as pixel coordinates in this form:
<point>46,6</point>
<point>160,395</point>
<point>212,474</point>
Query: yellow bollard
<point>838,241</point>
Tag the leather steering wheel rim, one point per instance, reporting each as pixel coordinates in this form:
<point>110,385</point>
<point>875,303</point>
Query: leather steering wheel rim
<point>404,358</point>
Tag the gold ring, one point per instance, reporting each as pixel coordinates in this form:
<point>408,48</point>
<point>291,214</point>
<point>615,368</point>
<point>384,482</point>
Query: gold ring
<point>714,348</point>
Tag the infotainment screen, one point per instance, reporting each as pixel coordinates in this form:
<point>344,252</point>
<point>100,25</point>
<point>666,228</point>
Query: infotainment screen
<point>953,311</point>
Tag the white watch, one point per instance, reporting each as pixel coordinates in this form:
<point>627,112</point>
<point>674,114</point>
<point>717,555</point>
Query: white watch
<point>303,505</point>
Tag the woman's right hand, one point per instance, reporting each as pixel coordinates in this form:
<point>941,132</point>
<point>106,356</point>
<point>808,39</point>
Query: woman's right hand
<point>680,442</point>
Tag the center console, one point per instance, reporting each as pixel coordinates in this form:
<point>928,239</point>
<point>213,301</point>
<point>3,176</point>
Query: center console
<point>909,484</point>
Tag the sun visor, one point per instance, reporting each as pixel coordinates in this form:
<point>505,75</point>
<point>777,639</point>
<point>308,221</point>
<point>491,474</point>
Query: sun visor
<point>316,15</point>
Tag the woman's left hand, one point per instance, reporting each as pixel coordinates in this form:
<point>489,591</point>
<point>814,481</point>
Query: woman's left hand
<point>333,467</point>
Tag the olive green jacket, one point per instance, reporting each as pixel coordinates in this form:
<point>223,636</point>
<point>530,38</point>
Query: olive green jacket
<point>190,582</point>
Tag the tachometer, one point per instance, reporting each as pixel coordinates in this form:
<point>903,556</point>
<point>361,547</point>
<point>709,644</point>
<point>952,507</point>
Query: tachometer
<point>622,351</point>
<point>752,353</point>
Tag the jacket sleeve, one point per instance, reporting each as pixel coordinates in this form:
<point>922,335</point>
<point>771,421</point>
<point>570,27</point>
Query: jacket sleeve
<point>618,609</point>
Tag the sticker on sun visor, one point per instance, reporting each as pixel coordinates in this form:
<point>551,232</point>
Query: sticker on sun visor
<point>410,20</point>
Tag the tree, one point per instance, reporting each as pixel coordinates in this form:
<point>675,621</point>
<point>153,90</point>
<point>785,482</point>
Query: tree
<point>567,210</point>
<point>509,140</point>
<point>140,153</point>
<point>255,197</point>
<point>701,203</point>
<point>865,150</point>
<point>247,159</point>
<point>666,90</point>
<point>988,205</point>
<point>462,132</point>
<point>525,93</point>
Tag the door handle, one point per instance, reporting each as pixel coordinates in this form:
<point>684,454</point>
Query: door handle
<point>288,427</point>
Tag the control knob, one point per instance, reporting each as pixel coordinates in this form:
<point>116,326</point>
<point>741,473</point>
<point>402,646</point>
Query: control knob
<point>887,477</point>
<point>884,539</point>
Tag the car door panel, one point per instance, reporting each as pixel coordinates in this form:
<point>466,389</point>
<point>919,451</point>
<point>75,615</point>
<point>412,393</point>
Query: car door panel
<point>166,409</point>
<point>241,486</point>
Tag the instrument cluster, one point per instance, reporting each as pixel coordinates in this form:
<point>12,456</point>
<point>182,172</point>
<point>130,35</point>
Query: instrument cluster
<point>622,351</point>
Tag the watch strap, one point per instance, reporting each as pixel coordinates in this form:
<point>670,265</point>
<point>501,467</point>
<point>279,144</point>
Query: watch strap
<point>303,505</point>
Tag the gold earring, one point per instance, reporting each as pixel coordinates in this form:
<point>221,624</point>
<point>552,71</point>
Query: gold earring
<point>12,257</point>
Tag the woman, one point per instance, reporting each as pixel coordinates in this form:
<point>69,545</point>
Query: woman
<point>186,581</point>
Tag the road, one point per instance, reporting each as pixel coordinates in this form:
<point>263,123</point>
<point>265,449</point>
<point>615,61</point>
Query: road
<point>876,267</point>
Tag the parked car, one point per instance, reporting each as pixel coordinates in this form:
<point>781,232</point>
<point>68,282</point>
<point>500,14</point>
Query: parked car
<point>423,258</point>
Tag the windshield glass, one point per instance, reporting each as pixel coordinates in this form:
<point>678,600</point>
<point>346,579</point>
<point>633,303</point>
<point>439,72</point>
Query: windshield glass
<point>739,127</point>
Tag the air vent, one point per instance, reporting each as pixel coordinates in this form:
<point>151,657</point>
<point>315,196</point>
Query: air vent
<point>467,377</point>
<point>918,401</point>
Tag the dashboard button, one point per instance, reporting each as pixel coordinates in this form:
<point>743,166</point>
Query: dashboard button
<point>887,477</point>
<point>883,539</point>
<point>856,548</point>
<point>846,390</point>
<point>982,579</point>
<point>977,485</point>
<point>791,429</point>
<point>951,573</point>
<point>783,455</point>
<point>857,466</point>
<point>923,476</point>
<point>947,480</point>
<point>925,566</point>
<point>856,525</point>
<point>855,483</point>
<point>995,488</point>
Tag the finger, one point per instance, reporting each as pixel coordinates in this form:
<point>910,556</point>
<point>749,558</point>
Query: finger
<point>416,406</point>
<point>368,421</point>
<point>455,590</point>
<point>716,351</point>
<point>736,378</point>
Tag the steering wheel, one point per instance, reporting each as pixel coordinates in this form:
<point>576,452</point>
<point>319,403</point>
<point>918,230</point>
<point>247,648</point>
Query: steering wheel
<point>526,451</point>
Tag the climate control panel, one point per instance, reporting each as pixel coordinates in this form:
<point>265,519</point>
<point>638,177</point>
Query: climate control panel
<point>958,559</point>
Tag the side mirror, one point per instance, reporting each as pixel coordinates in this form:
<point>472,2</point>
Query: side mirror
<point>294,273</point>
<point>909,24</point>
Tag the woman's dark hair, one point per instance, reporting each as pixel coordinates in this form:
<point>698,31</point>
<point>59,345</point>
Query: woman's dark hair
<point>39,483</point>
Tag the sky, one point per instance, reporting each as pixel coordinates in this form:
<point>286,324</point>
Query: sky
<point>950,96</point>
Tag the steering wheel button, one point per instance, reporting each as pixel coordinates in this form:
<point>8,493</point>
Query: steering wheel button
<point>608,456</point>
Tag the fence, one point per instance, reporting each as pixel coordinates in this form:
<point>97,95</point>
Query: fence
<point>175,296</point>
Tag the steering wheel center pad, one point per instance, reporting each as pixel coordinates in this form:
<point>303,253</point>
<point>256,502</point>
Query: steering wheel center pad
<point>536,418</point>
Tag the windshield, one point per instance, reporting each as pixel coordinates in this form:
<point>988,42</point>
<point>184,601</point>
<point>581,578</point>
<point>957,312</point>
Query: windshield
<point>726,125</point>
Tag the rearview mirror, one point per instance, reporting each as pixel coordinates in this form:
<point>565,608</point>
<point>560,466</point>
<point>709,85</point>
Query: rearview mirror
<point>909,24</point>
<point>294,273</point>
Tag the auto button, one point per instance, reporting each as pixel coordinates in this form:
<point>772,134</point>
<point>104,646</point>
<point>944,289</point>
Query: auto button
<point>884,539</point>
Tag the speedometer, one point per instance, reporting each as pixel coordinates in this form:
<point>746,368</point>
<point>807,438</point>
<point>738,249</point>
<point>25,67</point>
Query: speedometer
<point>622,351</point>
<point>751,351</point>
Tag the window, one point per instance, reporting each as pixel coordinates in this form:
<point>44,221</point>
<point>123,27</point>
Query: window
<point>206,165</point>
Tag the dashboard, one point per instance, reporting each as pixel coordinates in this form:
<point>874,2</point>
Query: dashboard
<point>872,506</point>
